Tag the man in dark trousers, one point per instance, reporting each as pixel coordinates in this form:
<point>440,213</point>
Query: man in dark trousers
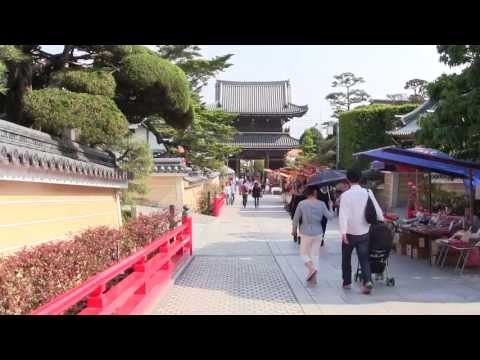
<point>354,229</point>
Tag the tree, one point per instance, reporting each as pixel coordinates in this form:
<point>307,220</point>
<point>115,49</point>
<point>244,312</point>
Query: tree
<point>3,78</point>
<point>3,86</point>
<point>99,90</point>
<point>205,140</point>
<point>419,88</point>
<point>198,70</point>
<point>310,140</point>
<point>342,101</point>
<point>454,127</point>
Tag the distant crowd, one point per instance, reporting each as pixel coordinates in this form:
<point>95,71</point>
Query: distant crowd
<point>245,187</point>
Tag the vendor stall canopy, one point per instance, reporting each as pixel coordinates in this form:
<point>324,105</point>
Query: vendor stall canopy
<point>424,159</point>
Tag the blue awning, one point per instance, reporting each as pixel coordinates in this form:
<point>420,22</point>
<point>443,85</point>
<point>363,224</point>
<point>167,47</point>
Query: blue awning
<point>425,159</point>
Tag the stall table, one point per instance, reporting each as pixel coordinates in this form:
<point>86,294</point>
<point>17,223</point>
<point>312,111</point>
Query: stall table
<point>429,233</point>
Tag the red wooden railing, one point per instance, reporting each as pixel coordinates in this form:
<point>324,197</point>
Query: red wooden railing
<point>218,203</point>
<point>153,269</point>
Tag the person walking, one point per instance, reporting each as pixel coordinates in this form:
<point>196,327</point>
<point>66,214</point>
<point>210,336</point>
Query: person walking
<point>238,185</point>
<point>244,191</point>
<point>323,196</point>
<point>354,229</point>
<point>233,186</point>
<point>256,193</point>
<point>228,192</point>
<point>297,197</point>
<point>311,211</point>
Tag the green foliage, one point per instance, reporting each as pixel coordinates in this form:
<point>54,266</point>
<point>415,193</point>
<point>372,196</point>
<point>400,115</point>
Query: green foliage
<point>258,165</point>
<point>327,152</point>
<point>137,161</point>
<point>98,118</point>
<point>310,140</point>
<point>205,140</point>
<point>454,127</point>
<point>417,85</point>
<point>316,149</point>
<point>308,144</point>
<point>419,88</point>
<point>95,82</point>
<point>198,70</point>
<point>151,85</point>
<point>365,128</point>
<point>454,55</point>
<point>342,101</point>
<point>95,101</point>
<point>13,54</point>
<point>3,78</point>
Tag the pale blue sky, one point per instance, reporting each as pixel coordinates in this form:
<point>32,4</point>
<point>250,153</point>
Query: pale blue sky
<point>310,69</point>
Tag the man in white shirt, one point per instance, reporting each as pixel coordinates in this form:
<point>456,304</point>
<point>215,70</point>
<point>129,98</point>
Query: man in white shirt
<point>354,229</point>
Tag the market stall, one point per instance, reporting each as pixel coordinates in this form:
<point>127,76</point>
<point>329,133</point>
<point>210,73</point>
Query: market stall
<point>417,235</point>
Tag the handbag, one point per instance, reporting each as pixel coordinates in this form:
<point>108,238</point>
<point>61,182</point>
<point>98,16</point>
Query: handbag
<point>370,211</point>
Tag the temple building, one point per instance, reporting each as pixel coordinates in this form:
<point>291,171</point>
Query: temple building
<point>263,109</point>
<point>405,134</point>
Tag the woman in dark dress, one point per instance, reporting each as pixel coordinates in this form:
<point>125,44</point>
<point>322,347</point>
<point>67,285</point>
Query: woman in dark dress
<point>322,195</point>
<point>256,193</point>
<point>296,198</point>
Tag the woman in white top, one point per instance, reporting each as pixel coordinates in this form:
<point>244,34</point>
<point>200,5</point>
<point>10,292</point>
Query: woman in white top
<point>228,192</point>
<point>311,211</point>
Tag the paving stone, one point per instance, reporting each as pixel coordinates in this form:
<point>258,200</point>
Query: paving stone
<point>245,262</point>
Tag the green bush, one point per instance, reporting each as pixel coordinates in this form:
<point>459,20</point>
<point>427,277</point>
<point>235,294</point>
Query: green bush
<point>95,82</point>
<point>158,87</point>
<point>98,118</point>
<point>365,128</point>
<point>34,276</point>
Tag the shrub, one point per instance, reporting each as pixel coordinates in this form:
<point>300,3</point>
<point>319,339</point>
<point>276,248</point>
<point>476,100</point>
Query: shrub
<point>34,276</point>
<point>155,86</point>
<point>94,82</point>
<point>98,117</point>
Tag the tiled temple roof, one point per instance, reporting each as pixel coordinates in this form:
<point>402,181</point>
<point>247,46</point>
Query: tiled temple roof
<point>170,165</point>
<point>264,140</point>
<point>411,119</point>
<point>257,98</point>
<point>34,156</point>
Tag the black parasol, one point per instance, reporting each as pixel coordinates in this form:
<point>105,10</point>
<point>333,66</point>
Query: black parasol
<point>326,177</point>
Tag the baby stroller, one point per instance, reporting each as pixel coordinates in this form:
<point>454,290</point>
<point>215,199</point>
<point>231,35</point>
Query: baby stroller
<point>381,243</point>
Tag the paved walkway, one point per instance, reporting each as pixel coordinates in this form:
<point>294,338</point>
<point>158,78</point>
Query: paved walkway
<point>246,263</point>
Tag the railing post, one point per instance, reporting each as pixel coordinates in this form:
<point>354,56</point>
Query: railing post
<point>187,221</point>
<point>171,216</point>
<point>95,299</point>
<point>140,267</point>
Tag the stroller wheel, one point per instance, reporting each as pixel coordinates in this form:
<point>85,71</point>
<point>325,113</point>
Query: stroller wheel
<point>391,282</point>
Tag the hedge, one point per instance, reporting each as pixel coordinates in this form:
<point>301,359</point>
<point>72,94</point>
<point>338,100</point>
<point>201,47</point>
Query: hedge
<point>34,276</point>
<point>365,128</point>
<point>97,116</point>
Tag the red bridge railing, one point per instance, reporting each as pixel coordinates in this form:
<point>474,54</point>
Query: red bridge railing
<point>153,269</point>
<point>218,203</point>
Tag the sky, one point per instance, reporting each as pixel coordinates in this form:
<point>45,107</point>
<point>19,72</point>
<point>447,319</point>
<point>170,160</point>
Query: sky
<point>310,69</point>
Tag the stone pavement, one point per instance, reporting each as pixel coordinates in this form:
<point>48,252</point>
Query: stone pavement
<point>245,262</point>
